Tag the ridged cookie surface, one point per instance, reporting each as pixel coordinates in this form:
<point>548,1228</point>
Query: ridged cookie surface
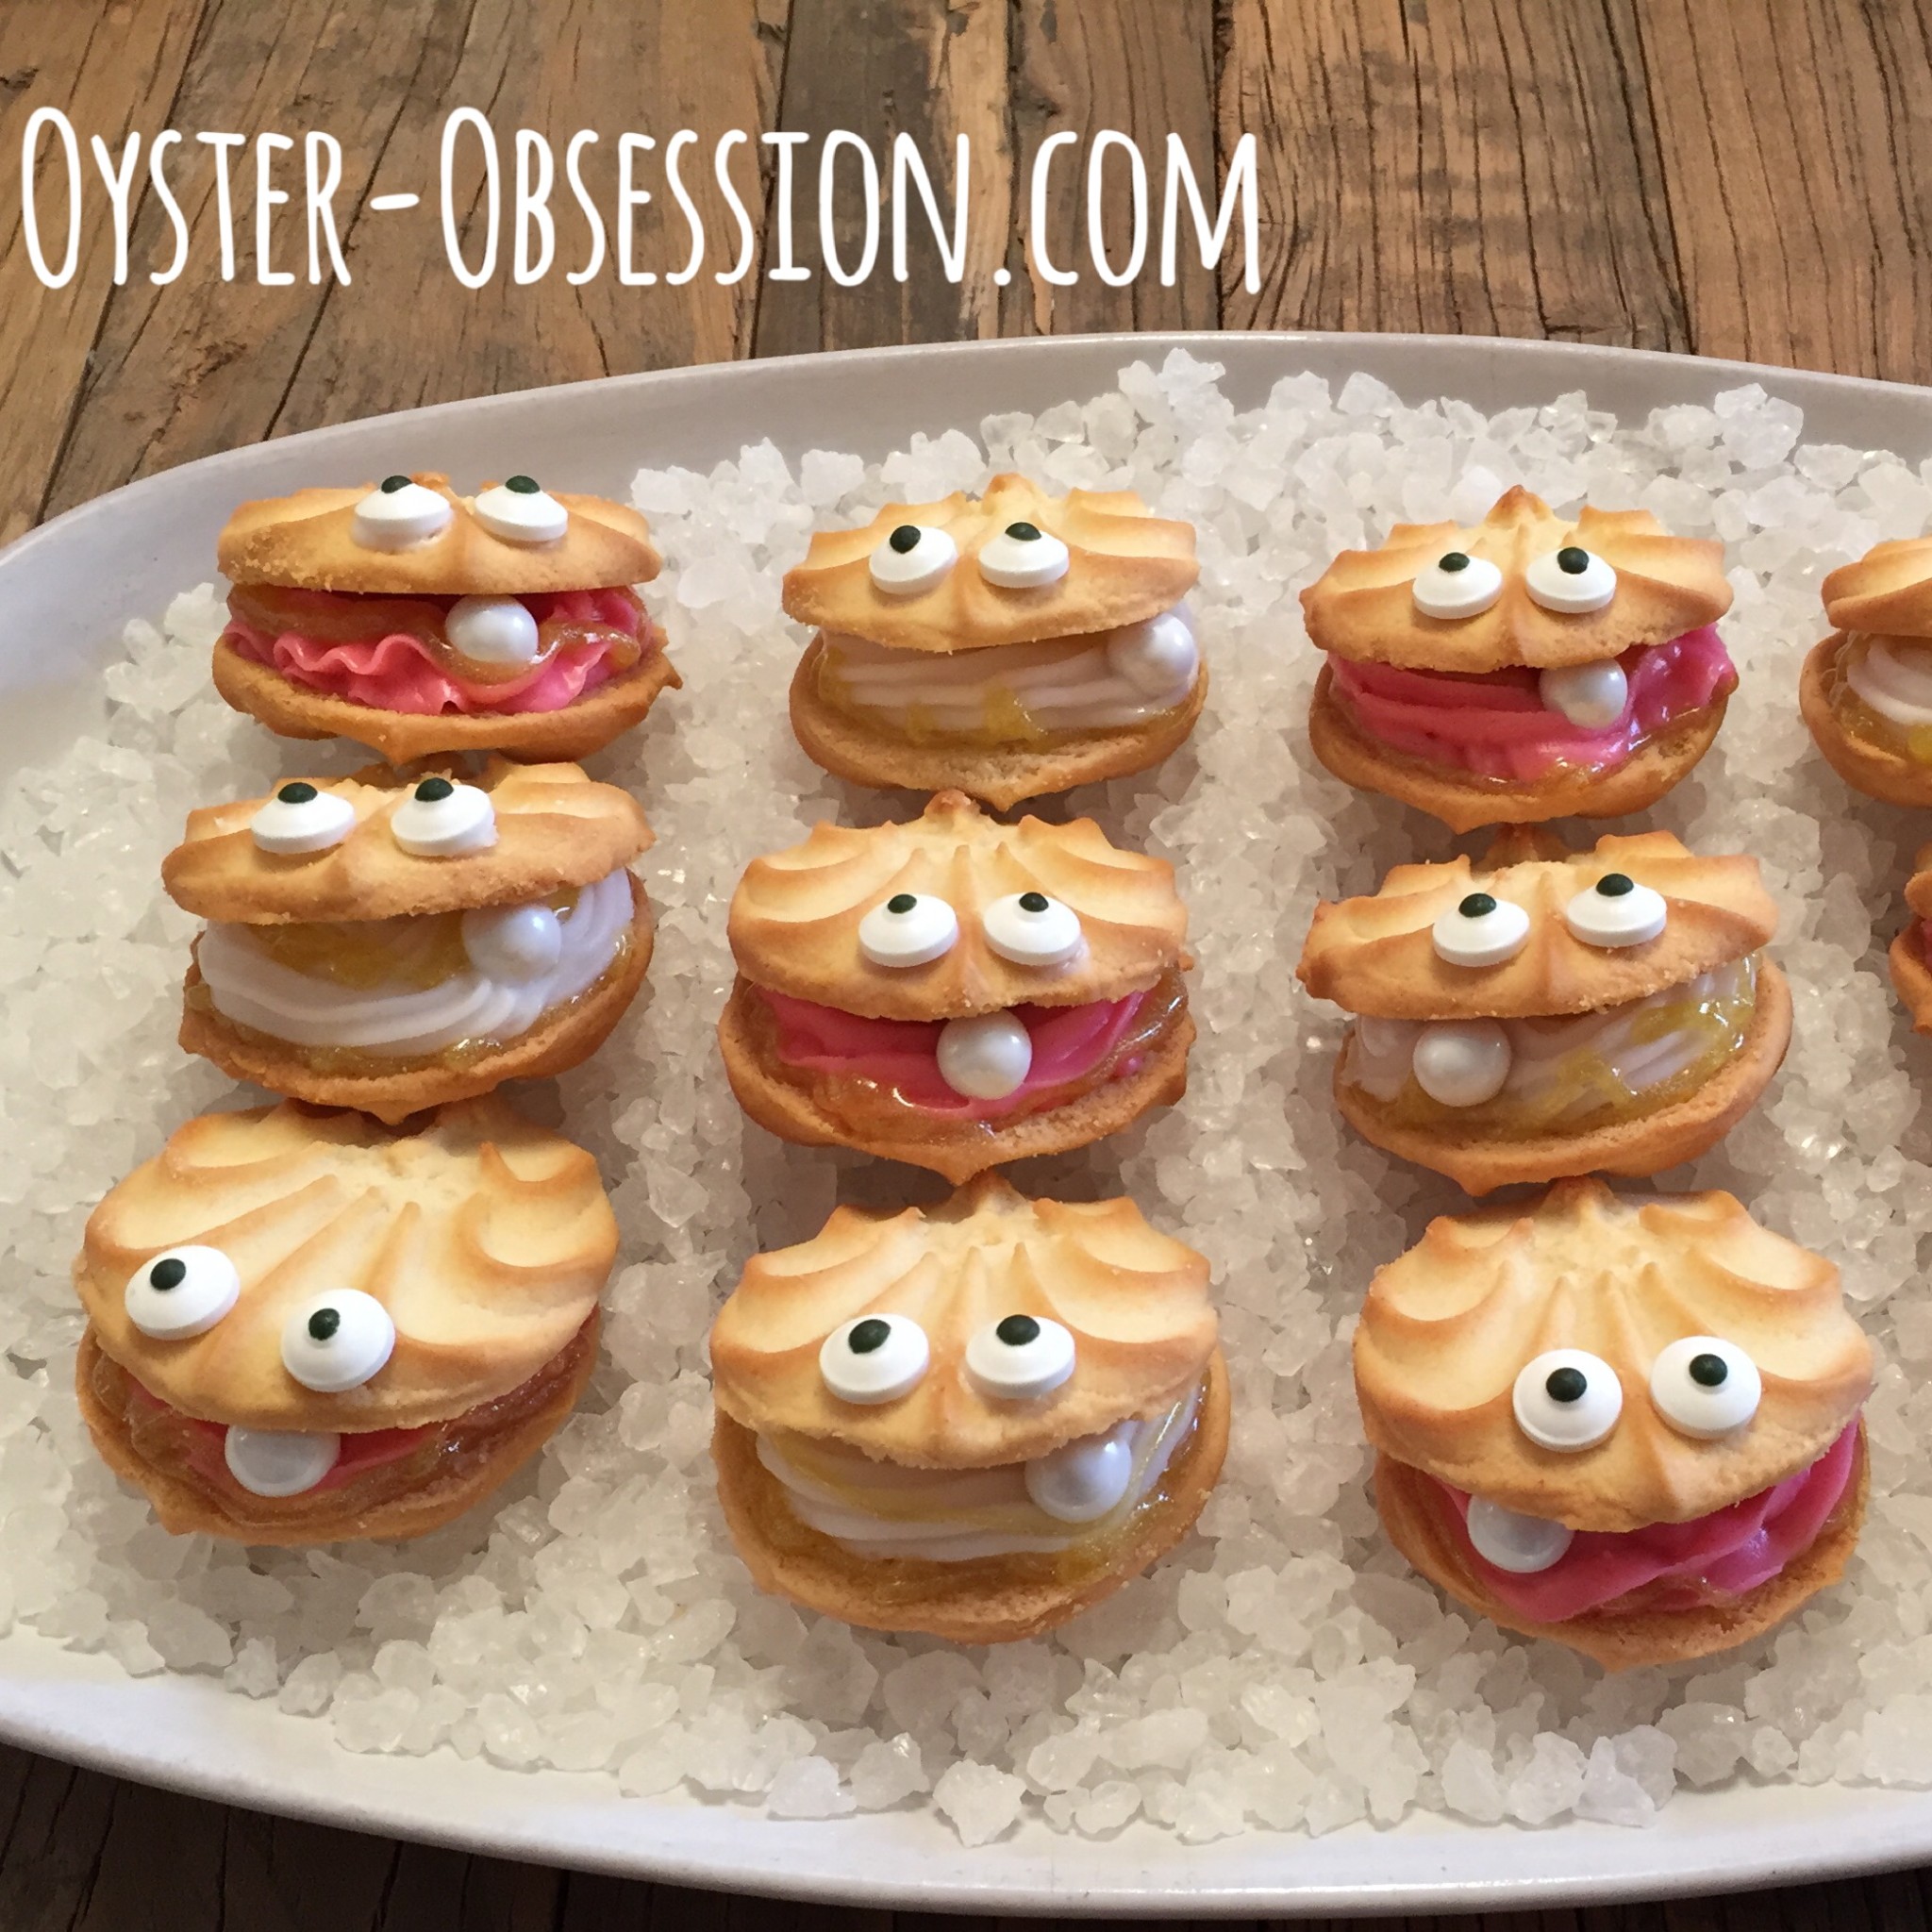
<point>1888,591</point>
<point>1123,566</point>
<point>1363,605</point>
<point>1377,955</point>
<point>1448,1326</point>
<point>1134,1299</point>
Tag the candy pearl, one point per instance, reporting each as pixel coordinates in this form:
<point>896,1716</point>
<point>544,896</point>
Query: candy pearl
<point>987,1056</point>
<point>279,1462</point>
<point>1082,1480</point>
<point>1589,695</point>
<point>1157,658</point>
<point>1022,556</point>
<point>492,630</point>
<point>1522,1545</point>
<point>400,514</point>
<point>519,511</point>
<point>1462,1062</point>
<point>1571,581</point>
<point>442,818</point>
<point>513,944</point>
<point>1616,912</point>
<point>300,819</point>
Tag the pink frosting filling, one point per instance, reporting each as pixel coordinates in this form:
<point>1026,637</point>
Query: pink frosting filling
<point>1726,1554</point>
<point>1497,725</point>
<point>398,672</point>
<point>903,1055</point>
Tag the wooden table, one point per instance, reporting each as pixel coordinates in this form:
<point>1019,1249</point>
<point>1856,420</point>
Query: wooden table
<point>1732,177</point>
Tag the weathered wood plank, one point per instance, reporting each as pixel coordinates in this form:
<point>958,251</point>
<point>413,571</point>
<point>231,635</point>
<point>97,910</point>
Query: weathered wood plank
<point>1798,158</point>
<point>932,69</point>
<point>108,69</point>
<point>1457,165</point>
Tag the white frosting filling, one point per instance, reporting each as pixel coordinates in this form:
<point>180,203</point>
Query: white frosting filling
<point>248,987</point>
<point>1894,676</point>
<point>1382,1053</point>
<point>953,1515</point>
<point>1088,683</point>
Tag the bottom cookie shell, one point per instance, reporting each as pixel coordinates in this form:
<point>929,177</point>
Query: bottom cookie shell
<point>1629,1638</point>
<point>988,1600</point>
<point>1912,975</point>
<point>1464,800</point>
<point>1875,770</point>
<point>449,1467</point>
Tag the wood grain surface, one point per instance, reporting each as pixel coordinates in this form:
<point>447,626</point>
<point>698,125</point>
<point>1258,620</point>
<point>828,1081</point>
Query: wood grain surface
<point>1735,177</point>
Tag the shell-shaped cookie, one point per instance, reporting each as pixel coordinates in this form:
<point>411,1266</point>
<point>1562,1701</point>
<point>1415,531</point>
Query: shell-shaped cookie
<point>798,919</point>
<point>1379,954</point>
<point>309,542</point>
<point>1364,606</point>
<point>1449,1326</point>
<point>1122,566</point>
<point>1888,591</point>
<point>1133,1300</point>
<point>554,828</point>
<point>486,1238</point>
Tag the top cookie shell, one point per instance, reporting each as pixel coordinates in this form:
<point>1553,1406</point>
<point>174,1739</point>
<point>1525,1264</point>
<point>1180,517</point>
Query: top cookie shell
<point>1362,607</point>
<point>1447,1327</point>
<point>1134,1301</point>
<point>305,541</point>
<point>555,828</point>
<point>1888,591</point>
<point>1123,566</point>
<point>1377,956</point>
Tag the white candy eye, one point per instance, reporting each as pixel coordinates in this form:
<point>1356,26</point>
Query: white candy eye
<point>875,1359</point>
<point>182,1293</point>
<point>279,1462</point>
<point>1591,695</point>
<point>907,929</point>
<point>514,944</point>
<point>912,559</point>
<point>398,515</point>
<point>443,819</point>
<point>1022,556</point>
<point>1158,657</point>
<point>1081,1480</point>
<point>1462,1062</point>
<point>520,510</point>
<point>1706,1387</point>
<point>1522,1545</point>
<point>1567,1399</point>
<point>1458,585</point>
<point>987,1056</point>
<point>337,1341</point>
<point>301,818</point>
<point>1030,929</point>
<point>1020,1359</point>
<point>1616,912</point>
<point>492,630</point>
<point>1569,581</point>
<point>1480,930</point>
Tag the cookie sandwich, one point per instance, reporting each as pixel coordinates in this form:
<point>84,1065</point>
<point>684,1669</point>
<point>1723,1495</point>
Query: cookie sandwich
<point>1866,691</point>
<point>1523,668</point>
<point>972,1419</point>
<point>302,1326</point>
<point>417,621</point>
<point>394,943</point>
<point>1629,1425</point>
<point>1544,1012</point>
<point>1910,954</point>
<point>1004,646</point>
<point>953,991</point>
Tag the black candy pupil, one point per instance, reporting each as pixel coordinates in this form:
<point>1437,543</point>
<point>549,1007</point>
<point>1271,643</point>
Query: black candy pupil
<point>901,902</point>
<point>1452,560</point>
<point>168,1274</point>
<point>1477,906</point>
<point>1032,902</point>
<point>1571,561</point>
<point>1613,885</point>
<point>433,789</point>
<point>1567,1384</point>
<point>1710,1371</point>
<point>1016,1331</point>
<point>297,793</point>
<point>869,1335</point>
<point>391,484</point>
<point>523,486</point>
<point>324,1324</point>
<point>1024,532</point>
<point>905,537</point>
